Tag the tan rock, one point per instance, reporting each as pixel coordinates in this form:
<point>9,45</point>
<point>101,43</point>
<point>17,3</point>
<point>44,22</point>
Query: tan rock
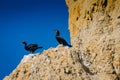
<point>53,64</point>
<point>95,30</point>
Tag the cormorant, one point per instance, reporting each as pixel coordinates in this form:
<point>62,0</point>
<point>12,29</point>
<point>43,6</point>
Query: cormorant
<point>31,47</point>
<point>60,39</point>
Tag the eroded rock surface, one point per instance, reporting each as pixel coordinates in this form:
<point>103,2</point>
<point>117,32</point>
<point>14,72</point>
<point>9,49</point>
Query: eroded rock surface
<point>95,28</point>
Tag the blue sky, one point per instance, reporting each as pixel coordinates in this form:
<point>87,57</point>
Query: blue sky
<point>33,21</point>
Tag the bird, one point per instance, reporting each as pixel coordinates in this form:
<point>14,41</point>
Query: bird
<point>31,47</point>
<point>61,40</point>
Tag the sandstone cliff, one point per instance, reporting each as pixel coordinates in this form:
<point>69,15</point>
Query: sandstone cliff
<point>95,35</point>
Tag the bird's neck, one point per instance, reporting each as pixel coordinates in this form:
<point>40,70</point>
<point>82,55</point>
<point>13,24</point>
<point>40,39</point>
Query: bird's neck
<point>25,44</point>
<point>57,34</point>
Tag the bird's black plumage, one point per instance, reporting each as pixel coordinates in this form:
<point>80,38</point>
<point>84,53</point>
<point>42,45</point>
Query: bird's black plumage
<point>60,39</point>
<point>31,47</point>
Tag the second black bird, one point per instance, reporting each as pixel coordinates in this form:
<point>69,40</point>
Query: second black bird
<point>31,47</point>
<point>60,39</point>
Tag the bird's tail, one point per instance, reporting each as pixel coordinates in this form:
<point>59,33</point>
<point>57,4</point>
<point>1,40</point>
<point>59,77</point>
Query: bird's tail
<point>70,45</point>
<point>40,47</point>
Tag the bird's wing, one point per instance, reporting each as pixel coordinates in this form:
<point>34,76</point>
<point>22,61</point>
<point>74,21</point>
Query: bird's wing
<point>61,40</point>
<point>32,45</point>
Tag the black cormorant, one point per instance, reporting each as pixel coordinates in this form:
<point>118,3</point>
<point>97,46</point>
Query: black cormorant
<point>31,47</point>
<point>60,39</point>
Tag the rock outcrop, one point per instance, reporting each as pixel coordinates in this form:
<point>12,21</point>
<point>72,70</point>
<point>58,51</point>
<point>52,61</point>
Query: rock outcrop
<point>54,64</point>
<point>95,36</point>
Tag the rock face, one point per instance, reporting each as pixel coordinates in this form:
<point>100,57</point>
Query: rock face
<point>95,36</point>
<point>95,30</point>
<point>54,64</point>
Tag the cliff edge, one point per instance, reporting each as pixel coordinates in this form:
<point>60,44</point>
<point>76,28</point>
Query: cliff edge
<point>94,27</point>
